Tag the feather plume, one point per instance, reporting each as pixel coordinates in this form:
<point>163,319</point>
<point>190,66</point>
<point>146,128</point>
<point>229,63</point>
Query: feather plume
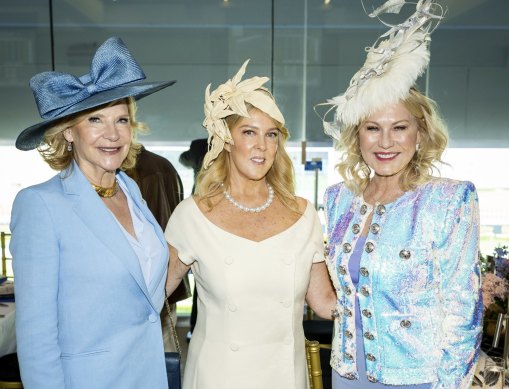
<point>393,64</point>
<point>390,6</point>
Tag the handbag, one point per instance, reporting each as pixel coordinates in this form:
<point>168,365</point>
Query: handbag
<point>172,359</point>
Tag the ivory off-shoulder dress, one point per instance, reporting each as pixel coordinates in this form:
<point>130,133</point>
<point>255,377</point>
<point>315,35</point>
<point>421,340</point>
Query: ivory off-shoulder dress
<point>250,301</point>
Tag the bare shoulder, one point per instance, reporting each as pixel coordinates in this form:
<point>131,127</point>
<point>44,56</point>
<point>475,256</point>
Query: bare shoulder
<point>302,204</point>
<point>207,205</point>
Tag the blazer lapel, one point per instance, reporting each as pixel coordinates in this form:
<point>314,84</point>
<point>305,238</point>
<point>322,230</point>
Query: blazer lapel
<point>99,220</point>
<point>159,266</point>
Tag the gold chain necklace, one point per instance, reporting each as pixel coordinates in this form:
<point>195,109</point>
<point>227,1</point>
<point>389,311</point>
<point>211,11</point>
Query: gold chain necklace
<point>106,192</point>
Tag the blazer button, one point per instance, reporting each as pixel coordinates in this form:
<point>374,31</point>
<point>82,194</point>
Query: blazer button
<point>356,228</point>
<point>335,313</point>
<point>372,379</point>
<point>405,323</point>
<point>348,312</point>
<point>364,209</point>
<point>365,291</point>
<point>364,272</point>
<point>370,246</point>
<point>369,336</point>
<point>348,291</point>
<point>347,247</point>
<point>370,357</point>
<point>404,254</point>
<point>326,250</point>
<point>152,318</point>
<point>234,347</point>
<point>348,334</point>
<point>349,376</point>
<point>380,210</point>
<point>366,313</point>
<point>375,228</point>
<point>349,356</point>
<point>342,270</point>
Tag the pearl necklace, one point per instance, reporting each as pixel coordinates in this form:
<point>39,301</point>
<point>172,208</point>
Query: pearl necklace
<point>262,207</point>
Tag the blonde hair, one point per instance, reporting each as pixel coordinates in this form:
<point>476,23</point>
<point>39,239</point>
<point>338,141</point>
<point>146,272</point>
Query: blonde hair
<point>280,176</point>
<point>433,133</point>
<point>54,149</point>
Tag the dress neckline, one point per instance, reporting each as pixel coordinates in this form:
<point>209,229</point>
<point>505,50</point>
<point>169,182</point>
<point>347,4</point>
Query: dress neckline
<point>289,228</point>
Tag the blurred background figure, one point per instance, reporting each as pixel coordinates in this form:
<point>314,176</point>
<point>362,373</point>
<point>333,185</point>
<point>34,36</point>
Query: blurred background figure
<point>193,158</point>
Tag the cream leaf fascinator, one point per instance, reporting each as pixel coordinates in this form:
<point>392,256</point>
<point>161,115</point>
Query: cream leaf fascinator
<point>231,98</point>
<point>393,64</point>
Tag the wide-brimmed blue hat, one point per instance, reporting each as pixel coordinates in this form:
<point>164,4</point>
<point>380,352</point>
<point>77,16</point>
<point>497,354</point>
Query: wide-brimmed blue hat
<point>114,74</point>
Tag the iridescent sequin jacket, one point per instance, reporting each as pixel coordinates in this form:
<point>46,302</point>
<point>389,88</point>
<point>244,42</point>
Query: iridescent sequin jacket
<point>419,284</point>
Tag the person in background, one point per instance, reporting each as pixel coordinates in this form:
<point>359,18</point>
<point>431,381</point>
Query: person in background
<point>193,159</point>
<point>255,248</point>
<point>161,187</point>
<point>403,245</point>
<point>90,259</point>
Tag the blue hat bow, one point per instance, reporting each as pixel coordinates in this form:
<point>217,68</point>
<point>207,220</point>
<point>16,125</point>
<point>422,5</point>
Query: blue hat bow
<point>114,75</point>
<point>55,92</point>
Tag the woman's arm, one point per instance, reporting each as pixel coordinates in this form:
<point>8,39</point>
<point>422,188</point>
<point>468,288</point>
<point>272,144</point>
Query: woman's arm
<point>36,262</point>
<point>176,271</point>
<point>459,273</point>
<point>321,296</point>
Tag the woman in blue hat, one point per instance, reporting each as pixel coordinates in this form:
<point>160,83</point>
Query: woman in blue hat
<point>90,260</point>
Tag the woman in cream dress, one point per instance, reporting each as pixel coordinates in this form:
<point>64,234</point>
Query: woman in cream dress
<point>256,249</point>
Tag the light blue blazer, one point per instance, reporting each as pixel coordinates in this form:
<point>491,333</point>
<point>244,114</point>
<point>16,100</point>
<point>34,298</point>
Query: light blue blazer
<point>85,317</point>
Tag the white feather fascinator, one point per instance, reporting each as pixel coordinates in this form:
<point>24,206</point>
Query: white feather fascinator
<point>393,64</point>
<point>231,98</point>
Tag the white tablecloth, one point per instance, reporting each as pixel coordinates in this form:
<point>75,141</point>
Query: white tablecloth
<point>7,329</point>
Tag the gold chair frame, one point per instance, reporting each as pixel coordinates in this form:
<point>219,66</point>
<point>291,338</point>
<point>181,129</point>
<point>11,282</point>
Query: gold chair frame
<point>3,242</point>
<point>10,385</point>
<point>314,363</point>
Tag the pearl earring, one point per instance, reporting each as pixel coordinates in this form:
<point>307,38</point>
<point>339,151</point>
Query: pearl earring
<point>69,146</point>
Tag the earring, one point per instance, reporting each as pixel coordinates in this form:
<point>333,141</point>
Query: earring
<point>69,146</point>
<point>417,147</point>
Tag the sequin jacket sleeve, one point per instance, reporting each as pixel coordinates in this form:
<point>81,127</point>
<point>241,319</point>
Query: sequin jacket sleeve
<point>460,290</point>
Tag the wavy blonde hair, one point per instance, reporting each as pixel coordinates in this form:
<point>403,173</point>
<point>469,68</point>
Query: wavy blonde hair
<point>54,149</point>
<point>433,132</point>
<point>280,176</point>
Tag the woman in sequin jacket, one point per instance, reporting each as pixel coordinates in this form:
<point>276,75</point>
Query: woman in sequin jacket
<point>403,256</point>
